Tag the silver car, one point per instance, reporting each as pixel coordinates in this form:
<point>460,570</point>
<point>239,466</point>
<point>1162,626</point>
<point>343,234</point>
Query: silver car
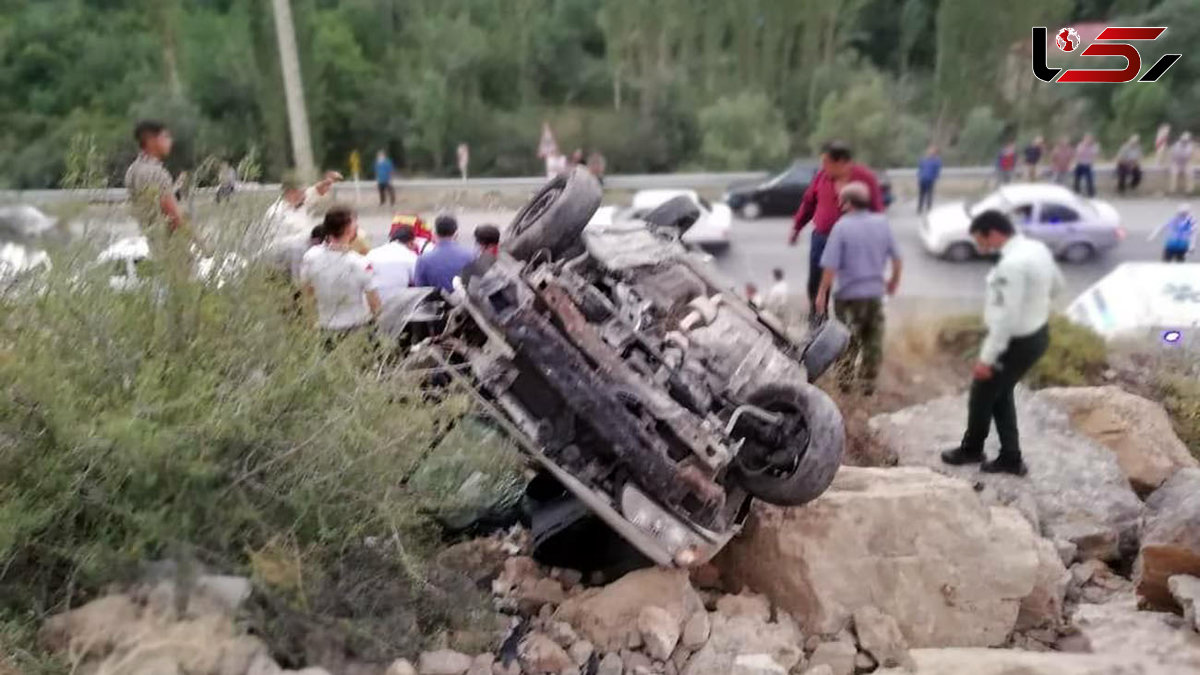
<point>1075,228</point>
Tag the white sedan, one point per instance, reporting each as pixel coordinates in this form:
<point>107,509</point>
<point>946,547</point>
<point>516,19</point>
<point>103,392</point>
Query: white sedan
<point>1075,228</point>
<point>709,230</point>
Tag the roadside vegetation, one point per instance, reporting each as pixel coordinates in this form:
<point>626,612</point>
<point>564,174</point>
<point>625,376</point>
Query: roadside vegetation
<point>206,423</point>
<point>655,86</point>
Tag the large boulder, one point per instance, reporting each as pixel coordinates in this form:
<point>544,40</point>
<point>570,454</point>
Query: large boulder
<point>1137,430</point>
<point>608,616</point>
<point>734,637</point>
<point>1170,538</point>
<point>919,546</point>
<point>1119,631</point>
<point>1075,490</point>
<point>1043,608</point>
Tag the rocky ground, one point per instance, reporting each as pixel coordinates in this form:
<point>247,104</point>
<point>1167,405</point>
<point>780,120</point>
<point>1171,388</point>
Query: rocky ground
<point>1089,566</point>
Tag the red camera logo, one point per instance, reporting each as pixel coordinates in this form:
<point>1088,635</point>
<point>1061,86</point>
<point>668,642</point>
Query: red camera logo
<point>1116,42</point>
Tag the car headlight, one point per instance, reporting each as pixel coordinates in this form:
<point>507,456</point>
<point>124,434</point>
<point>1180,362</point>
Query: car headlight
<point>654,520</point>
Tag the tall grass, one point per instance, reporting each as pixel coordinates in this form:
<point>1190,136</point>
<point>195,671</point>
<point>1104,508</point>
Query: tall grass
<point>206,420</point>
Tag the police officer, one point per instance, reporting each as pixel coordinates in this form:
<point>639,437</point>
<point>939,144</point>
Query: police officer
<point>1019,291</point>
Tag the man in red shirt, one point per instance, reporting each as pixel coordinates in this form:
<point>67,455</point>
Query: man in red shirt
<point>822,207</point>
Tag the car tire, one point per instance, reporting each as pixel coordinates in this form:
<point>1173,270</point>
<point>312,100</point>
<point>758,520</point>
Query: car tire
<point>556,216</point>
<point>679,212</point>
<point>1078,253</point>
<point>750,210</point>
<point>813,444</point>
<point>960,252</point>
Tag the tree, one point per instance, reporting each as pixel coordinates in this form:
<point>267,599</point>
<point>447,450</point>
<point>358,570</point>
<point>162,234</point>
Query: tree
<point>742,132</point>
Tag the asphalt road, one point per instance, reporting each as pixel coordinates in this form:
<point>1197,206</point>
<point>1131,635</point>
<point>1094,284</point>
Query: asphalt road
<point>929,283</point>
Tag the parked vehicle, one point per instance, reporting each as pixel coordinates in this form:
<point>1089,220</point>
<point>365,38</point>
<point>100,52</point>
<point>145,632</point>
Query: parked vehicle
<point>703,224</point>
<point>658,399</point>
<point>1151,300</point>
<point>1076,229</point>
<point>781,194</point>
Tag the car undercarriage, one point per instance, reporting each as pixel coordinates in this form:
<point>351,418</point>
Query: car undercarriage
<point>637,379</point>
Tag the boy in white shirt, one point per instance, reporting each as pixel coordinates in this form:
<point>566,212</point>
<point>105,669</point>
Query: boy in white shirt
<point>338,278</point>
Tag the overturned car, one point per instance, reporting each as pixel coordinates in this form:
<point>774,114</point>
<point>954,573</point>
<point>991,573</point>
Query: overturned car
<point>662,402</point>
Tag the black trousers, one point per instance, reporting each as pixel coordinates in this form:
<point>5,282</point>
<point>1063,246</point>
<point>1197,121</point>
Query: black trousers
<point>387,193</point>
<point>1084,174</point>
<point>992,399</point>
<point>1128,173</point>
<point>924,195</point>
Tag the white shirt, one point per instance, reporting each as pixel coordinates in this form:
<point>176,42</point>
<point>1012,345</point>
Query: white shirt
<point>340,279</point>
<point>777,299</point>
<point>1019,290</point>
<point>394,264</point>
<point>287,220</point>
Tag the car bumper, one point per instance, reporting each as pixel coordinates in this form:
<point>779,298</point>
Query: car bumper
<point>931,241</point>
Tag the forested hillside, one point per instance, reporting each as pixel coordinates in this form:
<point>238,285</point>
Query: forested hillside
<point>655,85</point>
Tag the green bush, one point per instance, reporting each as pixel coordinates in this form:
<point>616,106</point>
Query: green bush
<point>209,422</point>
<point>740,132</point>
<point>1180,395</point>
<point>1077,356</point>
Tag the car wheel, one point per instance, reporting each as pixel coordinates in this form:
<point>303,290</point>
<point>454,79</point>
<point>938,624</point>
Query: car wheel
<point>750,210</point>
<point>1078,253</point>
<point>960,252</point>
<point>556,216</point>
<point>792,462</point>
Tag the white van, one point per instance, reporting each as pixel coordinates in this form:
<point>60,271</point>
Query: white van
<point>1150,299</point>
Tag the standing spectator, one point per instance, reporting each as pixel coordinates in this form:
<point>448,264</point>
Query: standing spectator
<point>226,182</point>
<point>338,278</point>
<point>487,240</point>
<point>1161,141</point>
<point>1033,157</point>
<point>578,158</point>
<point>149,184</point>
<point>1017,311</point>
<point>1085,158</point>
<point>1061,158</point>
<point>1181,163</point>
<point>1180,235</point>
<point>822,206</point>
<point>556,164</point>
<point>393,263</point>
<point>286,254</point>
<point>929,169</point>
<point>856,256</point>
<point>438,266</point>
<point>464,159</point>
<point>295,212</point>
<point>1006,163</point>
<point>487,249</point>
<point>383,178</point>
<point>1129,164</point>
<point>777,298</point>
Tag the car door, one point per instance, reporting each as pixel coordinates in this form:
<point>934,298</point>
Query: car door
<point>1055,224</point>
<point>784,198</point>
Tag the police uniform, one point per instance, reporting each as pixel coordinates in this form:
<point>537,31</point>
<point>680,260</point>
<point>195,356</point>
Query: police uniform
<point>1019,292</point>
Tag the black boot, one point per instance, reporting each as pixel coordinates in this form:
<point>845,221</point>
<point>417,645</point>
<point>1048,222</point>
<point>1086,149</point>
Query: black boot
<point>1005,464</point>
<point>958,457</point>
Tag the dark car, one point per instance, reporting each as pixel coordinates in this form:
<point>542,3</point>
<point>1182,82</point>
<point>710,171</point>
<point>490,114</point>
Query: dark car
<point>781,194</point>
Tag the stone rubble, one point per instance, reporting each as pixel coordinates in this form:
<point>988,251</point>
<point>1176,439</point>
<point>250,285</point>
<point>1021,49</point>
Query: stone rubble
<point>899,570</point>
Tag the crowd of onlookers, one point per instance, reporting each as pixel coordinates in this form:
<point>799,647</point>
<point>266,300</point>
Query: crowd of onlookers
<point>1073,164</point>
<point>350,281</point>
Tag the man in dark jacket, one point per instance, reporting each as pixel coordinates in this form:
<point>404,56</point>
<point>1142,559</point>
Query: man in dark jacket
<point>822,206</point>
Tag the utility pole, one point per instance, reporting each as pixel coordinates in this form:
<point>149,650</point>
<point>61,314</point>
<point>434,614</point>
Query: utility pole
<point>293,87</point>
